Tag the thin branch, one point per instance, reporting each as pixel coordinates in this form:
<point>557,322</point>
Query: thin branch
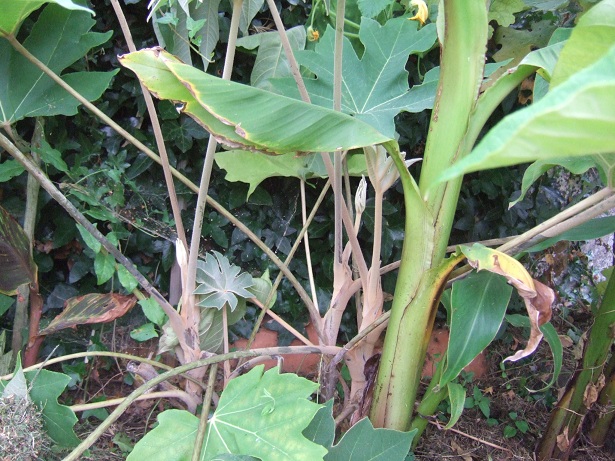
<point>176,394</point>
<point>200,435</point>
<point>151,110</point>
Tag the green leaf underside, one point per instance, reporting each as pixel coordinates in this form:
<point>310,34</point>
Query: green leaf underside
<point>375,87</point>
<point>596,228</point>
<point>591,38</point>
<point>321,429</point>
<point>576,165</point>
<point>59,38</point>
<point>15,11</point>
<point>253,167</point>
<point>478,305</point>
<point>260,415</point>
<point>233,113</point>
<point>575,119</point>
<point>15,259</point>
<point>364,443</point>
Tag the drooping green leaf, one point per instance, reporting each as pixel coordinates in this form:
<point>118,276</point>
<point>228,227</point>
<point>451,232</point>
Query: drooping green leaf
<point>596,228</point>
<point>45,388</point>
<point>50,156</point>
<point>553,340</point>
<point>457,397</point>
<point>261,287</point>
<point>478,305</point>
<point>260,415</point>
<point>249,9</point>
<point>254,167</point>
<point>576,165</point>
<point>575,119</point>
<point>59,38</point>
<point>364,443</point>
<point>15,11</point>
<point>128,281</point>
<point>104,267</point>
<point>375,87</point>
<point>153,311</point>
<point>221,283</point>
<point>89,239</point>
<point>372,8</point>
<point>591,39</point>
<point>91,308</point>
<point>321,429</point>
<point>271,60</point>
<point>15,259</point>
<point>233,112</point>
<point>10,169</point>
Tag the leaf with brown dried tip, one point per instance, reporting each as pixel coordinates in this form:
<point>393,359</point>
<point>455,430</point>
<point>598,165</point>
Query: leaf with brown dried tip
<point>538,297</point>
<point>91,308</point>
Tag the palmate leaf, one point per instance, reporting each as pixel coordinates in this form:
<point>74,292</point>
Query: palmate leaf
<point>220,283</point>
<point>375,87</point>
<point>15,11</point>
<point>59,38</point>
<point>577,118</point>
<point>233,112</point>
<point>260,415</point>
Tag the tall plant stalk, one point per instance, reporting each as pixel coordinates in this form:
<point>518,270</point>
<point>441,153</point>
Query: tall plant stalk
<point>429,213</point>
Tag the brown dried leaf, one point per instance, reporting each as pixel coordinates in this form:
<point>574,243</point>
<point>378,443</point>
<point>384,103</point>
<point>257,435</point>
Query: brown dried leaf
<point>592,391</point>
<point>90,308</point>
<point>563,442</point>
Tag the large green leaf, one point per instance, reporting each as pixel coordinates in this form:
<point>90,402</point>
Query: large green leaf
<point>375,87</point>
<point>271,60</point>
<point>233,113</point>
<point>254,167</point>
<point>210,32</point>
<point>457,397</point>
<point>15,11</point>
<point>478,305</point>
<point>15,258</point>
<point>591,39</point>
<point>260,415</point>
<point>364,443</point>
<point>575,119</point>
<point>249,9</point>
<point>59,38</point>
<point>321,429</point>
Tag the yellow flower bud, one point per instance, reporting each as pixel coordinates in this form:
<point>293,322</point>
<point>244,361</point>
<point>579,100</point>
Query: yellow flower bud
<point>312,34</point>
<point>422,13</point>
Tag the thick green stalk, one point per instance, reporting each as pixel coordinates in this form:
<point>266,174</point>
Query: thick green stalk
<point>430,211</point>
<point>566,419</point>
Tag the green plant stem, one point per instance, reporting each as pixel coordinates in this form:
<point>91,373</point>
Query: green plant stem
<point>189,282</point>
<point>100,430</point>
<point>567,418</point>
<point>147,151</point>
<point>429,216</point>
<point>288,51</point>
<point>606,400</point>
<point>151,110</point>
<point>348,22</point>
<point>200,435</point>
<point>337,159</point>
<point>174,317</point>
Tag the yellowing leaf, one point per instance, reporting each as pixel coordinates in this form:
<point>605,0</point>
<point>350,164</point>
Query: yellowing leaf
<point>538,297</point>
